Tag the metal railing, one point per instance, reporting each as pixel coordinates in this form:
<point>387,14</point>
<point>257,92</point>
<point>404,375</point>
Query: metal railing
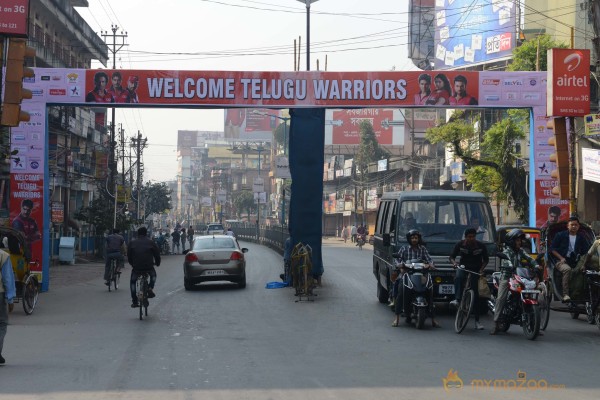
<point>273,236</point>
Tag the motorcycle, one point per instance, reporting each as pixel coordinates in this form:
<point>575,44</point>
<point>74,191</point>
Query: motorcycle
<point>521,306</point>
<point>360,241</point>
<point>417,284</point>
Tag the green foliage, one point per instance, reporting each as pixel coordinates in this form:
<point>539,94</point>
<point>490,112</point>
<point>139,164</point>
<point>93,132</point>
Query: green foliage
<point>244,201</point>
<point>156,197</point>
<point>525,56</point>
<point>369,149</point>
<point>100,213</point>
<point>490,163</point>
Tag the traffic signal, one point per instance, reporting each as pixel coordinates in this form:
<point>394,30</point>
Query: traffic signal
<point>560,157</point>
<point>14,92</point>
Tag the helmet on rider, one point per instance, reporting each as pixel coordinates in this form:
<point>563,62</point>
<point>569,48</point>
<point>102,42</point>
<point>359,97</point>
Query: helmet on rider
<point>414,232</point>
<point>513,235</point>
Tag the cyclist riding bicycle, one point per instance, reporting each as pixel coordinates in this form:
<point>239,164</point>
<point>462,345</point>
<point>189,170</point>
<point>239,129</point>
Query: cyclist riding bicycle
<point>474,256</point>
<point>114,251</point>
<point>142,254</point>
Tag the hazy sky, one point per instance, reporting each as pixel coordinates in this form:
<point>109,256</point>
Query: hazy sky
<point>240,35</point>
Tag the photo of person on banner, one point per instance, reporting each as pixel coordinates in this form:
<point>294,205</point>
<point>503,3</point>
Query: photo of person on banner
<point>423,96</point>
<point>132,85</point>
<point>117,90</point>
<point>441,95</point>
<point>100,94</point>
<point>26,224</point>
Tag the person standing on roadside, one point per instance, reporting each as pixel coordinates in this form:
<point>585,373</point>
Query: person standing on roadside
<point>190,235</point>
<point>7,294</point>
<point>183,238</point>
<point>176,238</point>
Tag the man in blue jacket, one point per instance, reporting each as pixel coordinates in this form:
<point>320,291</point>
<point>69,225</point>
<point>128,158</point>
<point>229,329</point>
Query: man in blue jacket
<point>7,294</point>
<point>567,247</point>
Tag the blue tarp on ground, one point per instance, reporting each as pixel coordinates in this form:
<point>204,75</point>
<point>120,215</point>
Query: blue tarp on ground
<point>307,145</point>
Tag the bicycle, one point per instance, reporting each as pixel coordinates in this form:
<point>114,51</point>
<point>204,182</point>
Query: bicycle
<point>142,287</point>
<point>467,302</point>
<point>114,274</point>
<point>301,268</point>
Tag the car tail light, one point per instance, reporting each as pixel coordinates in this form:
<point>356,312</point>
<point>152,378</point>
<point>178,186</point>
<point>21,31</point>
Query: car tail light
<point>236,256</point>
<point>191,257</point>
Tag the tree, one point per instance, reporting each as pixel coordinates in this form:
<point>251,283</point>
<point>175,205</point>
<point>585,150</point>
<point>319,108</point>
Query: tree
<point>244,201</point>
<point>491,164</point>
<point>156,197</point>
<point>100,213</point>
<point>369,149</point>
<point>525,57</point>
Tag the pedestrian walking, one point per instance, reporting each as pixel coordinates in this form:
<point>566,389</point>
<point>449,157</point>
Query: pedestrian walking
<point>176,239</point>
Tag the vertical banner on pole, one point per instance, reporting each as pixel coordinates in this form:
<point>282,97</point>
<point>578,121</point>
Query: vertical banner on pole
<point>306,168</point>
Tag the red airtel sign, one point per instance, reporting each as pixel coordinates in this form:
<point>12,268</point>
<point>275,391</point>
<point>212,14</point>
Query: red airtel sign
<point>568,92</point>
<point>13,17</point>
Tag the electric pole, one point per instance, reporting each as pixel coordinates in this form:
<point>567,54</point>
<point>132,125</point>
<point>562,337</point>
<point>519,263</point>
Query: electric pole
<point>111,157</point>
<point>139,144</point>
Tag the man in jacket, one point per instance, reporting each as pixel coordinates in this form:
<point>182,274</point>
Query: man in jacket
<point>142,255</point>
<point>7,294</point>
<point>567,247</point>
<point>114,249</point>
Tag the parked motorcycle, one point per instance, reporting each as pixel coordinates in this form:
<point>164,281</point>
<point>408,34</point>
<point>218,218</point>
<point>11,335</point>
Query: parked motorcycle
<point>417,284</point>
<point>521,306</point>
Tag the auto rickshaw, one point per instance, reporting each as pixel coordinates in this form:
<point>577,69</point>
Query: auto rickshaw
<point>534,246</point>
<point>27,272</point>
<point>584,285</point>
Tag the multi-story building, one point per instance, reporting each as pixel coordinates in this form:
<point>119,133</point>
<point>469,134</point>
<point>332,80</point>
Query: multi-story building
<point>77,142</point>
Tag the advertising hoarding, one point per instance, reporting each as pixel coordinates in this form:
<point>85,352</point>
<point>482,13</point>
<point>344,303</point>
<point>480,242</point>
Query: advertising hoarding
<point>471,32</point>
<point>568,89</point>
<point>13,18</point>
<point>591,164</point>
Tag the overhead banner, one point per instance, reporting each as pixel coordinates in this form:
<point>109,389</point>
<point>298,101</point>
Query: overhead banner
<point>279,89</point>
<point>569,83</point>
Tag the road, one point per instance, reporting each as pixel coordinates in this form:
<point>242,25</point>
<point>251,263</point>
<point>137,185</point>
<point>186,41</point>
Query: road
<point>221,342</point>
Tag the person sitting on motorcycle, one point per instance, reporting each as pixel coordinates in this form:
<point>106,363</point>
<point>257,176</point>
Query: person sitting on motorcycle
<point>361,233</point>
<point>415,250</point>
<point>474,256</point>
<point>515,254</point>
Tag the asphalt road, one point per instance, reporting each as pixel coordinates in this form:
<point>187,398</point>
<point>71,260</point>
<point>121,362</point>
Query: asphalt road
<point>221,342</point>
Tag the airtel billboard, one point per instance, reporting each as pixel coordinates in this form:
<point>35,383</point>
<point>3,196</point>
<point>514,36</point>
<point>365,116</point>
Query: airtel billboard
<point>568,86</point>
<point>13,18</point>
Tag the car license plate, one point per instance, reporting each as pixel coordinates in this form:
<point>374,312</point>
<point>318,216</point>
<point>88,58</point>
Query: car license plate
<point>446,289</point>
<point>215,272</point>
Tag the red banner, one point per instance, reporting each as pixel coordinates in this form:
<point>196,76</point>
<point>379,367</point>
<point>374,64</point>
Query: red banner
<point>569,83</point>
<point>13,17</point>
<point>26,213</point>
<point>283,89</point>
<point>545,199</point>
<point>346,125</point>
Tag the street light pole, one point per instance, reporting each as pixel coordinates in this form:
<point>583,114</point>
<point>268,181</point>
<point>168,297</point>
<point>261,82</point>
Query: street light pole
<point>308,3</point>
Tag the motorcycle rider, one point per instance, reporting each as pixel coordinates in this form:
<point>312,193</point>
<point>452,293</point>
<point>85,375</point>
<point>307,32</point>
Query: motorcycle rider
<point>361,233</point>
<point>515,253</point>
<point>415,250</point>
<point>474,256</point>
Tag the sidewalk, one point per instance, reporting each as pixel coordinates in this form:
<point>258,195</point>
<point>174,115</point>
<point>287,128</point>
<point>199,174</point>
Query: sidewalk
<point>84,270</point>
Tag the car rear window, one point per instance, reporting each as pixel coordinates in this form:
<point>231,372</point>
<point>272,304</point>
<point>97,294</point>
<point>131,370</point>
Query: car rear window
<point>215,227</point>
<point>214,243</point>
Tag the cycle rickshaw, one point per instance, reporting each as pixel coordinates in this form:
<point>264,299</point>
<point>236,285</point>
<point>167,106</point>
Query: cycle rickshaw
<point>27,272</point>
<point>584,285</point>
